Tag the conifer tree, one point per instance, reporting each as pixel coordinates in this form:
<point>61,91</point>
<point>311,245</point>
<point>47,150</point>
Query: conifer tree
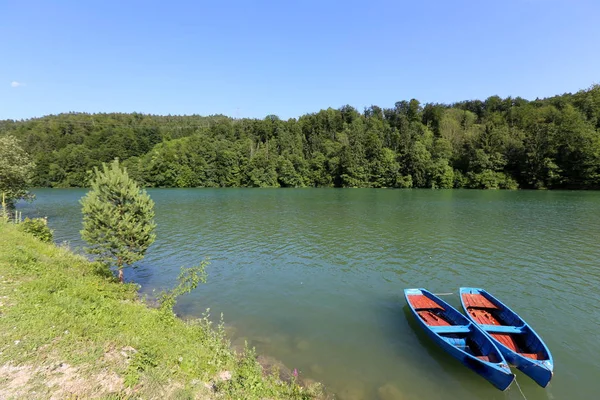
<point>118,218</point>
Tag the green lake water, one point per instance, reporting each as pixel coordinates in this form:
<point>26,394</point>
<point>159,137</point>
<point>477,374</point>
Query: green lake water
<point>314,277</point>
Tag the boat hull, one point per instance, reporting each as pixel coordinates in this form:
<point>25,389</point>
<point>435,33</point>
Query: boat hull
<point>541,372</point>
<point>536,361</point>
<point>497,373</point>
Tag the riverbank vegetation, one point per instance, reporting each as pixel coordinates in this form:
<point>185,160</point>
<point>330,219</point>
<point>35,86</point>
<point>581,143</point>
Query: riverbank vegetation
<point>495,143</point>
<point>68,329</point>
<point>16,172</point>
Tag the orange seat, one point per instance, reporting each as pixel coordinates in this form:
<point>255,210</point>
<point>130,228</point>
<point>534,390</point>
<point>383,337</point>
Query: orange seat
<point>483,317</point>
<point>507,340</point>
<point>419,301</point>
<point>431,319</point>
<point>477,301</point>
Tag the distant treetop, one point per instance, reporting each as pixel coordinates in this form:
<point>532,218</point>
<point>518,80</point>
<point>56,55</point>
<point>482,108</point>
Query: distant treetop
<point>491,143</point>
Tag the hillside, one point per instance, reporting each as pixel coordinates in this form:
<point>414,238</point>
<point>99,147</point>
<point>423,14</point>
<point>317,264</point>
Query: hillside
<point>497,143</point>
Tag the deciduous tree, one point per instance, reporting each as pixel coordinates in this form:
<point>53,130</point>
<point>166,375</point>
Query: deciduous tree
<point>16,169</point>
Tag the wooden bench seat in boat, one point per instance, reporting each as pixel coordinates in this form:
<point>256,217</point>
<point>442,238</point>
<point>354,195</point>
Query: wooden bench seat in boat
<point>426,309</point>
<point>432,319</point>
<point>483,317</point>
<point>451,329</point>
<point>501,329</point>
<point>421,302</point>
<point>477,301</point>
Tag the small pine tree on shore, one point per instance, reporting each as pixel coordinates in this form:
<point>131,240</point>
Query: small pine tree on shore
<point>118,218</point>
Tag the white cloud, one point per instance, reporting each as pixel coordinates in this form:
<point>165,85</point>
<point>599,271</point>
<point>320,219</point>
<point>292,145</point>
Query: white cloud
<point>16,84</point>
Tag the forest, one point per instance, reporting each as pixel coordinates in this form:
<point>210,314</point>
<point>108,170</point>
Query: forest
<point>551,143</point>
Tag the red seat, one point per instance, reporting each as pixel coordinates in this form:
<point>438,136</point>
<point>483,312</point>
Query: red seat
<point>419,301</point>
<point>477,301</point>
<point>431,319</point>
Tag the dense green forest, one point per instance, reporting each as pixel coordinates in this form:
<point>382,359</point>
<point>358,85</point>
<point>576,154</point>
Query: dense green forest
<point>496,143</point>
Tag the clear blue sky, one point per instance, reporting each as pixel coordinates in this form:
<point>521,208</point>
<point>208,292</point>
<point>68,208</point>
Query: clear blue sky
<point>254,58</point>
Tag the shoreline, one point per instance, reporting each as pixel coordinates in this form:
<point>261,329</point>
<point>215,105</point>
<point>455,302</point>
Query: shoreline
<point>71,330</point>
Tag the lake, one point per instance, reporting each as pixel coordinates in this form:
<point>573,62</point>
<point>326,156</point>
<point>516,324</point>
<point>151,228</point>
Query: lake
<point>315,277</point>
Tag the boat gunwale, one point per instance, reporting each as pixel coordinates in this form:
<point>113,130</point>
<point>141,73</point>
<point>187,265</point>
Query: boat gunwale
<point>547,363</point>
<point>502,365</point>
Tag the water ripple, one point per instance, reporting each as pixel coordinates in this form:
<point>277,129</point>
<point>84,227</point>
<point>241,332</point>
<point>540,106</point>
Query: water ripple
<point>315,277</point>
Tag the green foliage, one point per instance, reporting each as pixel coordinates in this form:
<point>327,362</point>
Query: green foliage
<point>262,170</point>
<point>16,170</point>
<point>61,309</point>
<point>188,280</point>
<point>443,175</point>
<point>460,180</point>
<point>488,179</point>
<point>141,362</point>
<point>247,379</point>
<point>118,218</point>
<point>496,143</point>
<point>37,227</point>
<point>404,182</point>
<point>287,175</point>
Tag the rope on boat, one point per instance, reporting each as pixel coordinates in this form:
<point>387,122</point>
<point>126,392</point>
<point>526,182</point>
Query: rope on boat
<point>520,390</point>
<point>443,294</point>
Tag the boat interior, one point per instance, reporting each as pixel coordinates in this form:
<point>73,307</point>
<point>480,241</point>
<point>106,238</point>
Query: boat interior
<point>451,329</point>
<point>511,331</point>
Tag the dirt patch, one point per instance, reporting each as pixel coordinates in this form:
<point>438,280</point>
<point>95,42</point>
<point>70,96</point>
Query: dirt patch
<point>110,382</point>
<point>65,380</point>
<point>58,381</point>
<point>13,380</point>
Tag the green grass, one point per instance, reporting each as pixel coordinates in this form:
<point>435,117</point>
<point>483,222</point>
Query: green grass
<point>69,329</point>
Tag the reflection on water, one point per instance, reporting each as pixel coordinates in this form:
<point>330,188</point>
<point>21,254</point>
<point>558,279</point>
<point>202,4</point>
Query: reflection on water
<point>314,277</point>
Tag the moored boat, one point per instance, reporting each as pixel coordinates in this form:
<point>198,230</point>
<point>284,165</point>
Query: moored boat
<point>519,343</point>
<point>458,336</point>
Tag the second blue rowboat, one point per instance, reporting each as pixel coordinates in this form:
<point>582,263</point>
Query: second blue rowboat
<point>517,341</point>
<point>461,338</point>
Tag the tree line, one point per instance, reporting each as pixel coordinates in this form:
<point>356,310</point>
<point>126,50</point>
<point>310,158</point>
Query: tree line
<point>496,143</point>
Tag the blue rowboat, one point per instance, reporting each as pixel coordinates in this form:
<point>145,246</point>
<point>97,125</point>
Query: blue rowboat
<point>517,341</point>
<point>454,333</point>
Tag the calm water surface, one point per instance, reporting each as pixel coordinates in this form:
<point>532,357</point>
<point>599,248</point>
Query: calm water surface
<point>314,277</point>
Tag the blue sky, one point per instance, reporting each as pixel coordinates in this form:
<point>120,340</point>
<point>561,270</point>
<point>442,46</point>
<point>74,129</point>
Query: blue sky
<point>254,58</point>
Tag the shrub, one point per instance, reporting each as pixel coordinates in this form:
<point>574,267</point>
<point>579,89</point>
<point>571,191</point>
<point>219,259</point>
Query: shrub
<point>37,227</point>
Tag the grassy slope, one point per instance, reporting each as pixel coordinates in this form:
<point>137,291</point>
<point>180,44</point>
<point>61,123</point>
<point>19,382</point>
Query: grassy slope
<point>68,330</point>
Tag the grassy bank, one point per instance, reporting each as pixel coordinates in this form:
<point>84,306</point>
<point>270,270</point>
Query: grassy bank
<point>69,330</point>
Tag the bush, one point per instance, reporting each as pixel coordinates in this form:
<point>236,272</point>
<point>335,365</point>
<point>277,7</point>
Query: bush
<point>37,227</point>
<point>488,179</point>
<point>404,182</point>
<point>460,180</point>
